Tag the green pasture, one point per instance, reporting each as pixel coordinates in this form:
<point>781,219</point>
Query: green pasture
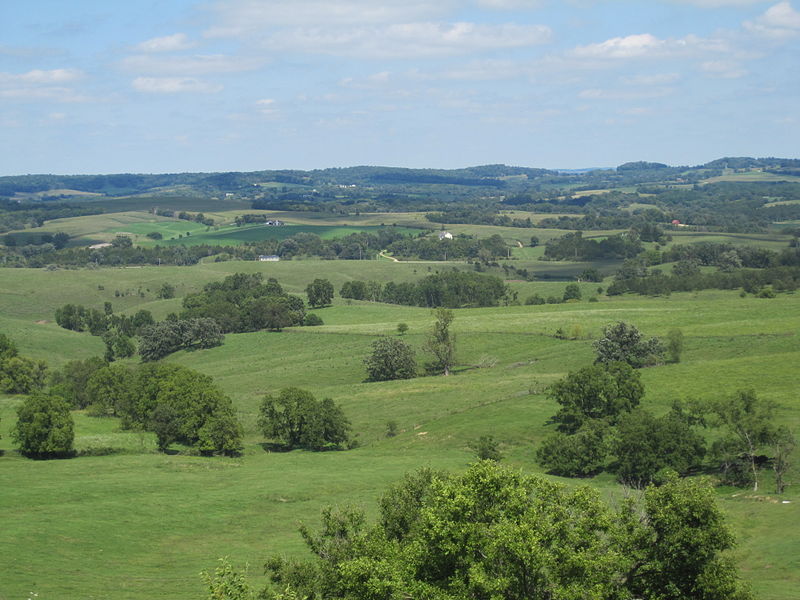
<point>750,176</point>
<point>135,524</point>
<point>773,241</point>
<point>233,236</point>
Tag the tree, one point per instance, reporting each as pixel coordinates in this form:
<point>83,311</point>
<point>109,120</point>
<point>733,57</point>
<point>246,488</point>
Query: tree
<point>166,291</point>
<point>402,328</point>
<point>599,391</point>
<point>497,534</point>
<point>227,583</point>
<point>645,445</point>
<point>441,343</point>
<point>71,381</point>
<point>572,292</point>
<point>390,359</point>
<point>108,389</point>
<point>581,454</point>
<point>44,428</point>
<point>297,420</point>
<point>21,375</point>
<point>320,293</point>
<point>748,427</point>
<point>677,540</point>
<point>674,345</point>
<point>624,342</point>
<point>783,442</point>
<point>486,448</point>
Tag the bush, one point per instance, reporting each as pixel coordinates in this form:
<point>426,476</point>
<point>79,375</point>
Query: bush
<point>622,342</point>
<point>44,428</point>
<point>312,320</point>
<point>581,454</point>
<point>599,391</point>
<point>487,448</point>
<point>390,359</point>
<point>297,420</point>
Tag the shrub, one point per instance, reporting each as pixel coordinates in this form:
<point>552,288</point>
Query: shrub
<point>581,454</point>
<point>44,428</point>
<point>390,359</point>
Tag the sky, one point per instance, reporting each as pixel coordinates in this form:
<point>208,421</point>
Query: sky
<point>155,86</point>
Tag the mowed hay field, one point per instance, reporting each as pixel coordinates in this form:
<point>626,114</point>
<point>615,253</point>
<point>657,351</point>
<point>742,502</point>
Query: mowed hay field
<point>137,524</point>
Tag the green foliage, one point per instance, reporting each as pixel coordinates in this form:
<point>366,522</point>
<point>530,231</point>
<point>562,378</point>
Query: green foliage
<point>494,533</point>
<point>748,428</point>
<point>71,382</point>
<point>678,545</point>
<point>312,320</point>
<point>581,454</point>
<point>441,343</point>
<point>622,342</point>
<point>486,448</point>
<point>298,420</point>
<point>645,446</point>
<point>402,328</point>
<point>451,289</point>
<point>19,374</point>
<point>191,410</point>
<point>674,345</point>
<point>319,292</point>
<point>243,302</point>
<point>783,443</point>
<point>572,292</point>
<point>390,359</point>
<point>599,391</point>
<point>227,583</point>
<point>159,340</point>
<point>167,290</point>
<point>44,427</point>
<point>108,390</point>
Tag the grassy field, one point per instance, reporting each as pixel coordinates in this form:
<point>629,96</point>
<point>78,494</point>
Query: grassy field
<point>136,524</point>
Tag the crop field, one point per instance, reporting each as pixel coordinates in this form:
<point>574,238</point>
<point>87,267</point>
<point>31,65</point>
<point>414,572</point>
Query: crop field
<point>138,524</point>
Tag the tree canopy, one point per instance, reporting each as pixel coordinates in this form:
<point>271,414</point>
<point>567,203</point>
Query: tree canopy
<point>494,533</point>
<point>599,391</point>
<point>390,359</point>
<point>296,419</point>
<point>44,427</point>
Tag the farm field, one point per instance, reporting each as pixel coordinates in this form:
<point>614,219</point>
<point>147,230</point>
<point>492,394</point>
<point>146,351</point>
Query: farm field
<point>137,524</point>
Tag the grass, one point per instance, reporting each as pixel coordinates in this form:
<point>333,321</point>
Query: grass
<point>136,524</point>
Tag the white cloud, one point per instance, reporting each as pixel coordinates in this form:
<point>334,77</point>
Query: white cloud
<point>723,69</point>
<point>631,46</point>
<point>374,81</point>
<point>52,93</point>
<point>174,85</point>
<point>410,40</point>
<point>243,17</point>
<point>267,107</point>
<point>168,43</point>
<point>603,94</point>
<point>778,22</point>
<point>488,70</point>
<point>43,77</point>
<point>652,79</point>
<point>646,45</point>
<point>200,64</point>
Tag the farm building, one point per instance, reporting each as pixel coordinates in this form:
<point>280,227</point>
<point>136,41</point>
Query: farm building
<point>445,235</point>
<point>269,257</point>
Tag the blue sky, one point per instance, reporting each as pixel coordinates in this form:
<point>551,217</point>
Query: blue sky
<point>102,86</point>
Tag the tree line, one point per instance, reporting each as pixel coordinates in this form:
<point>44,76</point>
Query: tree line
<point>449,289</point>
